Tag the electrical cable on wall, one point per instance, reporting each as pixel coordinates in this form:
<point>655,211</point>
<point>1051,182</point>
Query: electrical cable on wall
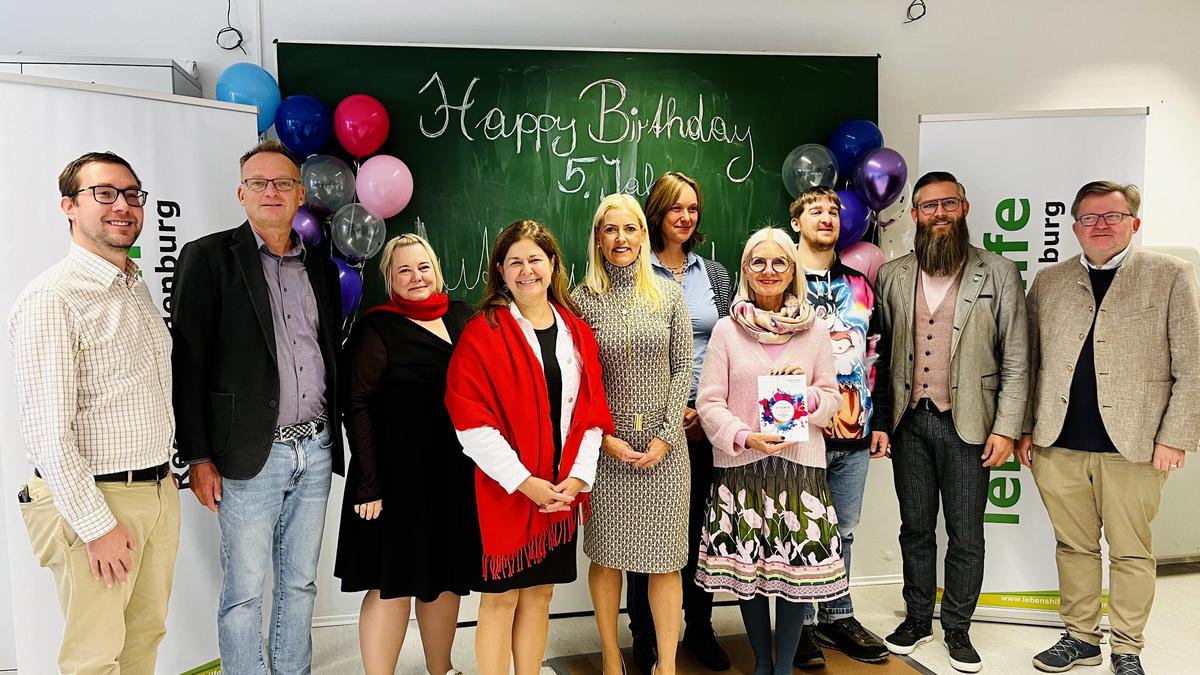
<point>229,31</point>
<point>916,10</point>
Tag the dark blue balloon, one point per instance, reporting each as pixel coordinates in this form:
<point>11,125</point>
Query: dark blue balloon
<point>250,84</point>
<point>851,141</point>
<point>350,279</point>
<point>304,124</point>
<point>854,219</point>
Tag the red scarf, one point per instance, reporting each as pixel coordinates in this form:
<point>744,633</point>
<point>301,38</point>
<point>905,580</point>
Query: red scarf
<point>428,309</point>
<point>493,376</point>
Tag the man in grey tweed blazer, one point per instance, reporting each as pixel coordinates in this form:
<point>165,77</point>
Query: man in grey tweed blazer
<point>1115,337</point>
<point>955,317</point>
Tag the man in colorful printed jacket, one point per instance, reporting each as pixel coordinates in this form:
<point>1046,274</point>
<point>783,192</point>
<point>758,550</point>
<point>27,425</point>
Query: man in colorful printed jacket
<point>845,299</point>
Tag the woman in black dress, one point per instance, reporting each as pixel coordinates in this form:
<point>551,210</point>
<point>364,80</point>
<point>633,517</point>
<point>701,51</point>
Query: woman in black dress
<point>401,537</point>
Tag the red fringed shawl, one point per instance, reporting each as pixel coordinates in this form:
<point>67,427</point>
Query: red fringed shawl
<point>496,380</point>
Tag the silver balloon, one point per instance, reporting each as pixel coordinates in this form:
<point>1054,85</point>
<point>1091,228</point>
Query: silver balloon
<point>328,183</point>
<point>806,166</point>
<point>356,232</point>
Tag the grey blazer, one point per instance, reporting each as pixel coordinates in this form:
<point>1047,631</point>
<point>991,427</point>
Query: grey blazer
<point>1147,343</point>
<point>988,354</point>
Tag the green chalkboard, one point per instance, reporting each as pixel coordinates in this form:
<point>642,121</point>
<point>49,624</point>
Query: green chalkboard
<point>494,135</point>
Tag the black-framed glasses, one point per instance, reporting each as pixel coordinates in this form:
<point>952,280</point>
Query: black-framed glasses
<point>949,205</point>
<point>281,184</point>
<point>107,194</point>
<point>779,265</point>
<point>1112,218</point>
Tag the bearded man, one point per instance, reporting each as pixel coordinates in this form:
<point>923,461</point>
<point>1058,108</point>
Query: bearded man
<point>955,316</point>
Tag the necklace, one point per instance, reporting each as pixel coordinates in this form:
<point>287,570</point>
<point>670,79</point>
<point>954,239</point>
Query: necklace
<point>677,270</point>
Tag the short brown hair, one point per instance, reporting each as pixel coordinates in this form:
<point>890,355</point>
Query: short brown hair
<point>663,195</point>
<point>1133,196</point>
<point>812,195</point>
<point>269,146</point>
<point>494,295</point>
<point>68,180</point>
<point>936,177</point>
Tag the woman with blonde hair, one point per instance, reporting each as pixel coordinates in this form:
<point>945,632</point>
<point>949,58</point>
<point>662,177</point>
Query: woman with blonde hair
<point>639,504</point>
<point>405,456</point>
<point>770,528</point>
<point>525,394</point>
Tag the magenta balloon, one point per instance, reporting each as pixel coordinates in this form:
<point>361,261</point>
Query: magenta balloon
<point>384,185</point>
<point>879,177</point>
<point>864,257</point>
<point>307,224</point>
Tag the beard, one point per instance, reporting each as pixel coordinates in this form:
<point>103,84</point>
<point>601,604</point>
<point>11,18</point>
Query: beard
<point>940,255</point>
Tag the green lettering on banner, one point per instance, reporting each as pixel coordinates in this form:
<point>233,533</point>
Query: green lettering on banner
<point>1004,492</point>
<point>1007,217</point>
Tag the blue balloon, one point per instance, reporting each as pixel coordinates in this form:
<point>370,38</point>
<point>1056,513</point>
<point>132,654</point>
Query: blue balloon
<point>351,282</point>
<point>854,216</point>
<point>247,83</point>
<point>304,124</point>
<point>851,141</point>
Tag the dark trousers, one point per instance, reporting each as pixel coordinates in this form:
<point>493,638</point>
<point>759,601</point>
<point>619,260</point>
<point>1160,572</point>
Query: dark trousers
<point>697,603</point>
<point>929,461</point>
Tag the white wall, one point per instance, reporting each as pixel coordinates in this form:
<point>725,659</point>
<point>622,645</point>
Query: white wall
<point>964,56</point>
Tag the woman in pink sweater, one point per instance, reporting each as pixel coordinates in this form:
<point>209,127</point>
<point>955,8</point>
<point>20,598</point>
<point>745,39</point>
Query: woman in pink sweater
<point>771,529</point>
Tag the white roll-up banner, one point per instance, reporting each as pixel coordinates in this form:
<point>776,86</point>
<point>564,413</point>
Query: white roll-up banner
<point>185,150</point>
<point>1021,172</point>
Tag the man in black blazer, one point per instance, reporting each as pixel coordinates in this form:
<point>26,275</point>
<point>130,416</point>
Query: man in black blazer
<point>257,319</point>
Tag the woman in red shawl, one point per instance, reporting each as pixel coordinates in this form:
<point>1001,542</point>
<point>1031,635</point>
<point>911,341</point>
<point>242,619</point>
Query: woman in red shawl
<point>526,398</point>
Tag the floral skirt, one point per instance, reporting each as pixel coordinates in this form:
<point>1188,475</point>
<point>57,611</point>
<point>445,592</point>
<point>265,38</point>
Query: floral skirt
<point>770,529</point>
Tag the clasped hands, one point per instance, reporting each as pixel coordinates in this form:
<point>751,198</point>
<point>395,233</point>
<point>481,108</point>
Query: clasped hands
<point>549,497</point>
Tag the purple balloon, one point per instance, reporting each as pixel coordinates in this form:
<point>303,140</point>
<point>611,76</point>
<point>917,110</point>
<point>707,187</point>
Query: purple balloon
<point>854,219</point>
<point>880,176</point>
<point>307,224</point>
<point>352,286</point>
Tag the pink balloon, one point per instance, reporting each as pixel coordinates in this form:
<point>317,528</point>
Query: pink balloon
<point>361,124</point>
<point>864,257</point>
<point>384,185</point>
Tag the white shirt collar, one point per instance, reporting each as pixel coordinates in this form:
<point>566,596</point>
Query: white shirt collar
<point>528,325</point>
<point>1113,263</point>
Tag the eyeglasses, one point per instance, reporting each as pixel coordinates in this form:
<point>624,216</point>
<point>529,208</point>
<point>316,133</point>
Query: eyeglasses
<point>107,194</point>
<point>1112,218</point>
<point>949,205</point>
<point>260,184</point>
<point>778,265</point>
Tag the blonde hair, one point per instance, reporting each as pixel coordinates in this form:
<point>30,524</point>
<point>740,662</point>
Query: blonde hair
<point>596,278</point>
<point>495,296</point>
<point>780,238</point>
<point>389,251</point>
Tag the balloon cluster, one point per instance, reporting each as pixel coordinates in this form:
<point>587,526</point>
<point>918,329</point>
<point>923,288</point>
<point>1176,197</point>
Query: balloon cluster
<point>348,206</point>
<point>874,184</point>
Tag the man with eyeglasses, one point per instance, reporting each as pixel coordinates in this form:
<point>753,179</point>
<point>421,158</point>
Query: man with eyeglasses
<point>955,317</point>
<point>93,377</point>
<point>1114,340</point>
<point>257,321</point>
<point>846,300</point>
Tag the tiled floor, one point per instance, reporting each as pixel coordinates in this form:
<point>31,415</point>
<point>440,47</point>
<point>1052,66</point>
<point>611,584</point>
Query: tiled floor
<point>1172,637</point>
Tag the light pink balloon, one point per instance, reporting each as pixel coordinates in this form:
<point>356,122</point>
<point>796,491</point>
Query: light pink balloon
<point>384,185</point>
<point>864,257</point>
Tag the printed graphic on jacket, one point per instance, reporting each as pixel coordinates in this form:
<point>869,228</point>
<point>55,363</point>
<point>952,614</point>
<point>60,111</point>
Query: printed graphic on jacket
<point>845,302</point>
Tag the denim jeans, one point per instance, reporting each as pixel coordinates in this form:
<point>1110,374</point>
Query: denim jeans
<point>846,471</point>
<point>278,518</point>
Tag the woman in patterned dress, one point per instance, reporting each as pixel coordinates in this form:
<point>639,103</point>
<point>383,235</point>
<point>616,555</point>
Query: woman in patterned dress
<point>639,503</point>
<point>771,528</point>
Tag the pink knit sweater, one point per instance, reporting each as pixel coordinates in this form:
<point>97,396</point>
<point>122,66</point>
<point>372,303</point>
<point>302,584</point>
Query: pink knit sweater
<point>727,399</point>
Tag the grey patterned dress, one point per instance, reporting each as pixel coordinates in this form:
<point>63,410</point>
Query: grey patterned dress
<point>640,516</point>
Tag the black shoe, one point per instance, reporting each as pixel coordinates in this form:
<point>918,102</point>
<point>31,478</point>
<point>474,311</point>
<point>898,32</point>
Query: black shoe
<point>908,635</point>
<point>1067,652</point>
<point>702,643</point>
<point>645,655</point>
<point>963,656</point>
<point>849,637</point>
<point>808,652</point>
<point>1127,664</point>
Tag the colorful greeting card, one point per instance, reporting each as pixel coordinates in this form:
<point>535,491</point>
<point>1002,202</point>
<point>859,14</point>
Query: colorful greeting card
<point>782,407</point>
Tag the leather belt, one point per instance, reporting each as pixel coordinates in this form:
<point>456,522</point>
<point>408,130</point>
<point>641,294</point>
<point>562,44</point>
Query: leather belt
<point>154,473</point>
<point>928,404</point>
<point>298,430</point>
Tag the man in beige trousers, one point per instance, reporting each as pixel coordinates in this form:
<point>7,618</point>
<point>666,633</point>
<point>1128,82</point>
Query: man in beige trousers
<point>1114,340</point>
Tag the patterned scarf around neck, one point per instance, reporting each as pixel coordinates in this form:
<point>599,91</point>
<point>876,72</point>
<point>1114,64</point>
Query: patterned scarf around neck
<point>773,328</point>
